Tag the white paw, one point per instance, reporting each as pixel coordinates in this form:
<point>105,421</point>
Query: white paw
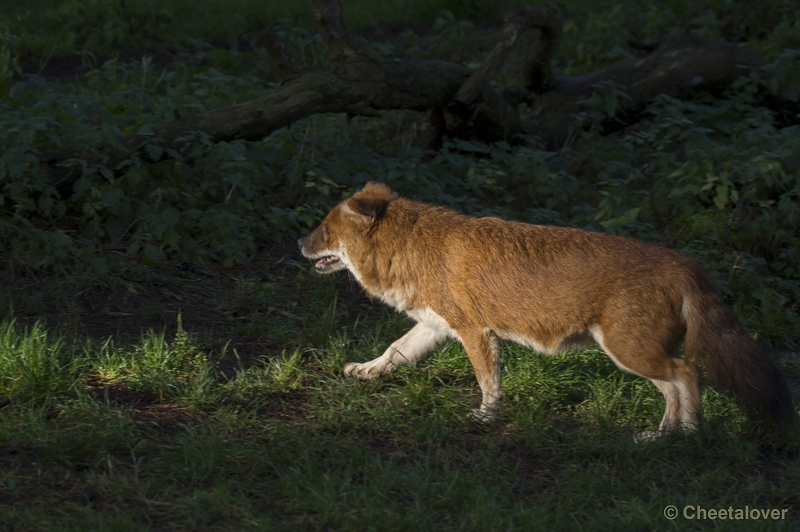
<point>484,415</point>
<point>647,436</point>
<point>364,372</point>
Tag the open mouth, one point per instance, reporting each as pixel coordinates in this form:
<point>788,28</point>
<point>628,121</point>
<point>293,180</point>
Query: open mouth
<point>326,263</point>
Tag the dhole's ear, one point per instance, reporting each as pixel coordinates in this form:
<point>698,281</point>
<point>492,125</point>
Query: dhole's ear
<point>376,188</point>
<point>370,208</point>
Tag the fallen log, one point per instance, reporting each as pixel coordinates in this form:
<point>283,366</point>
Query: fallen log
<point>460,101</point>
<point>680,66</point>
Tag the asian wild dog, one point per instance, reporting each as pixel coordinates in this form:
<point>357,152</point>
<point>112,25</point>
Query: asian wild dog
<point>481,280</point>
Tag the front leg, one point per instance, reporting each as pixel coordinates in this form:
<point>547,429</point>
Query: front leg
<point>415,345</point>
<point>483,349</point>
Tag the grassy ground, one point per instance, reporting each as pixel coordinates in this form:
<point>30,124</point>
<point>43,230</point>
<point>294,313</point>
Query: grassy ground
<point>231,413</point>
<point>163,371</point>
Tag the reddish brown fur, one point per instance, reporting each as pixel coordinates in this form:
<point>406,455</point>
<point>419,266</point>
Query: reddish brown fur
<point>554,288</point>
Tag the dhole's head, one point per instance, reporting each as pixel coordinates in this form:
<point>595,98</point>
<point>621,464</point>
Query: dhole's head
<point>345,227</point>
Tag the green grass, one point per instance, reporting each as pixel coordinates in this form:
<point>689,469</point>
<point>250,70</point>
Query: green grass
<point>171,431</point>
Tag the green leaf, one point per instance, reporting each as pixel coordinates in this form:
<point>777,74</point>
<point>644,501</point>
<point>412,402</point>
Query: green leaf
<point>721,198</point>
<point>171,238</point>
<point>154,151</point>
<point>628,217</point>
<point>151,254</point>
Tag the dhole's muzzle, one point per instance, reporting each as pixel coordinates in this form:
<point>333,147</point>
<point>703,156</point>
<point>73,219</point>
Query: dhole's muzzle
<point>313,246</point>
<point>347,223</point>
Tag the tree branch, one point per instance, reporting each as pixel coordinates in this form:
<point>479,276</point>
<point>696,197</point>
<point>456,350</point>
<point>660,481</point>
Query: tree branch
<point>549,18</point>
<point>680,66</point>
<point>538,70</point>
<point>329,18</point>
<point>406,84</point>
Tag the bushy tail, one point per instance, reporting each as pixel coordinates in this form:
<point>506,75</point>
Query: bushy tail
<point>734,361</point>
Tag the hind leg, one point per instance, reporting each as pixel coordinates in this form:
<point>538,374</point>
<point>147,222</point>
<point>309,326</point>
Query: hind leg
<point>671,419</point>
<point>678,380</point>
<point>688,384</point>
<point>683,398</point>
<point>683,403</point>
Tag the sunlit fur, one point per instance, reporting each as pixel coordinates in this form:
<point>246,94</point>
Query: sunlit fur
<point>481,280</point>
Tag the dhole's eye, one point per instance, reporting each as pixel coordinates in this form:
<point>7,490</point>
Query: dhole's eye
<point>325,232</point>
